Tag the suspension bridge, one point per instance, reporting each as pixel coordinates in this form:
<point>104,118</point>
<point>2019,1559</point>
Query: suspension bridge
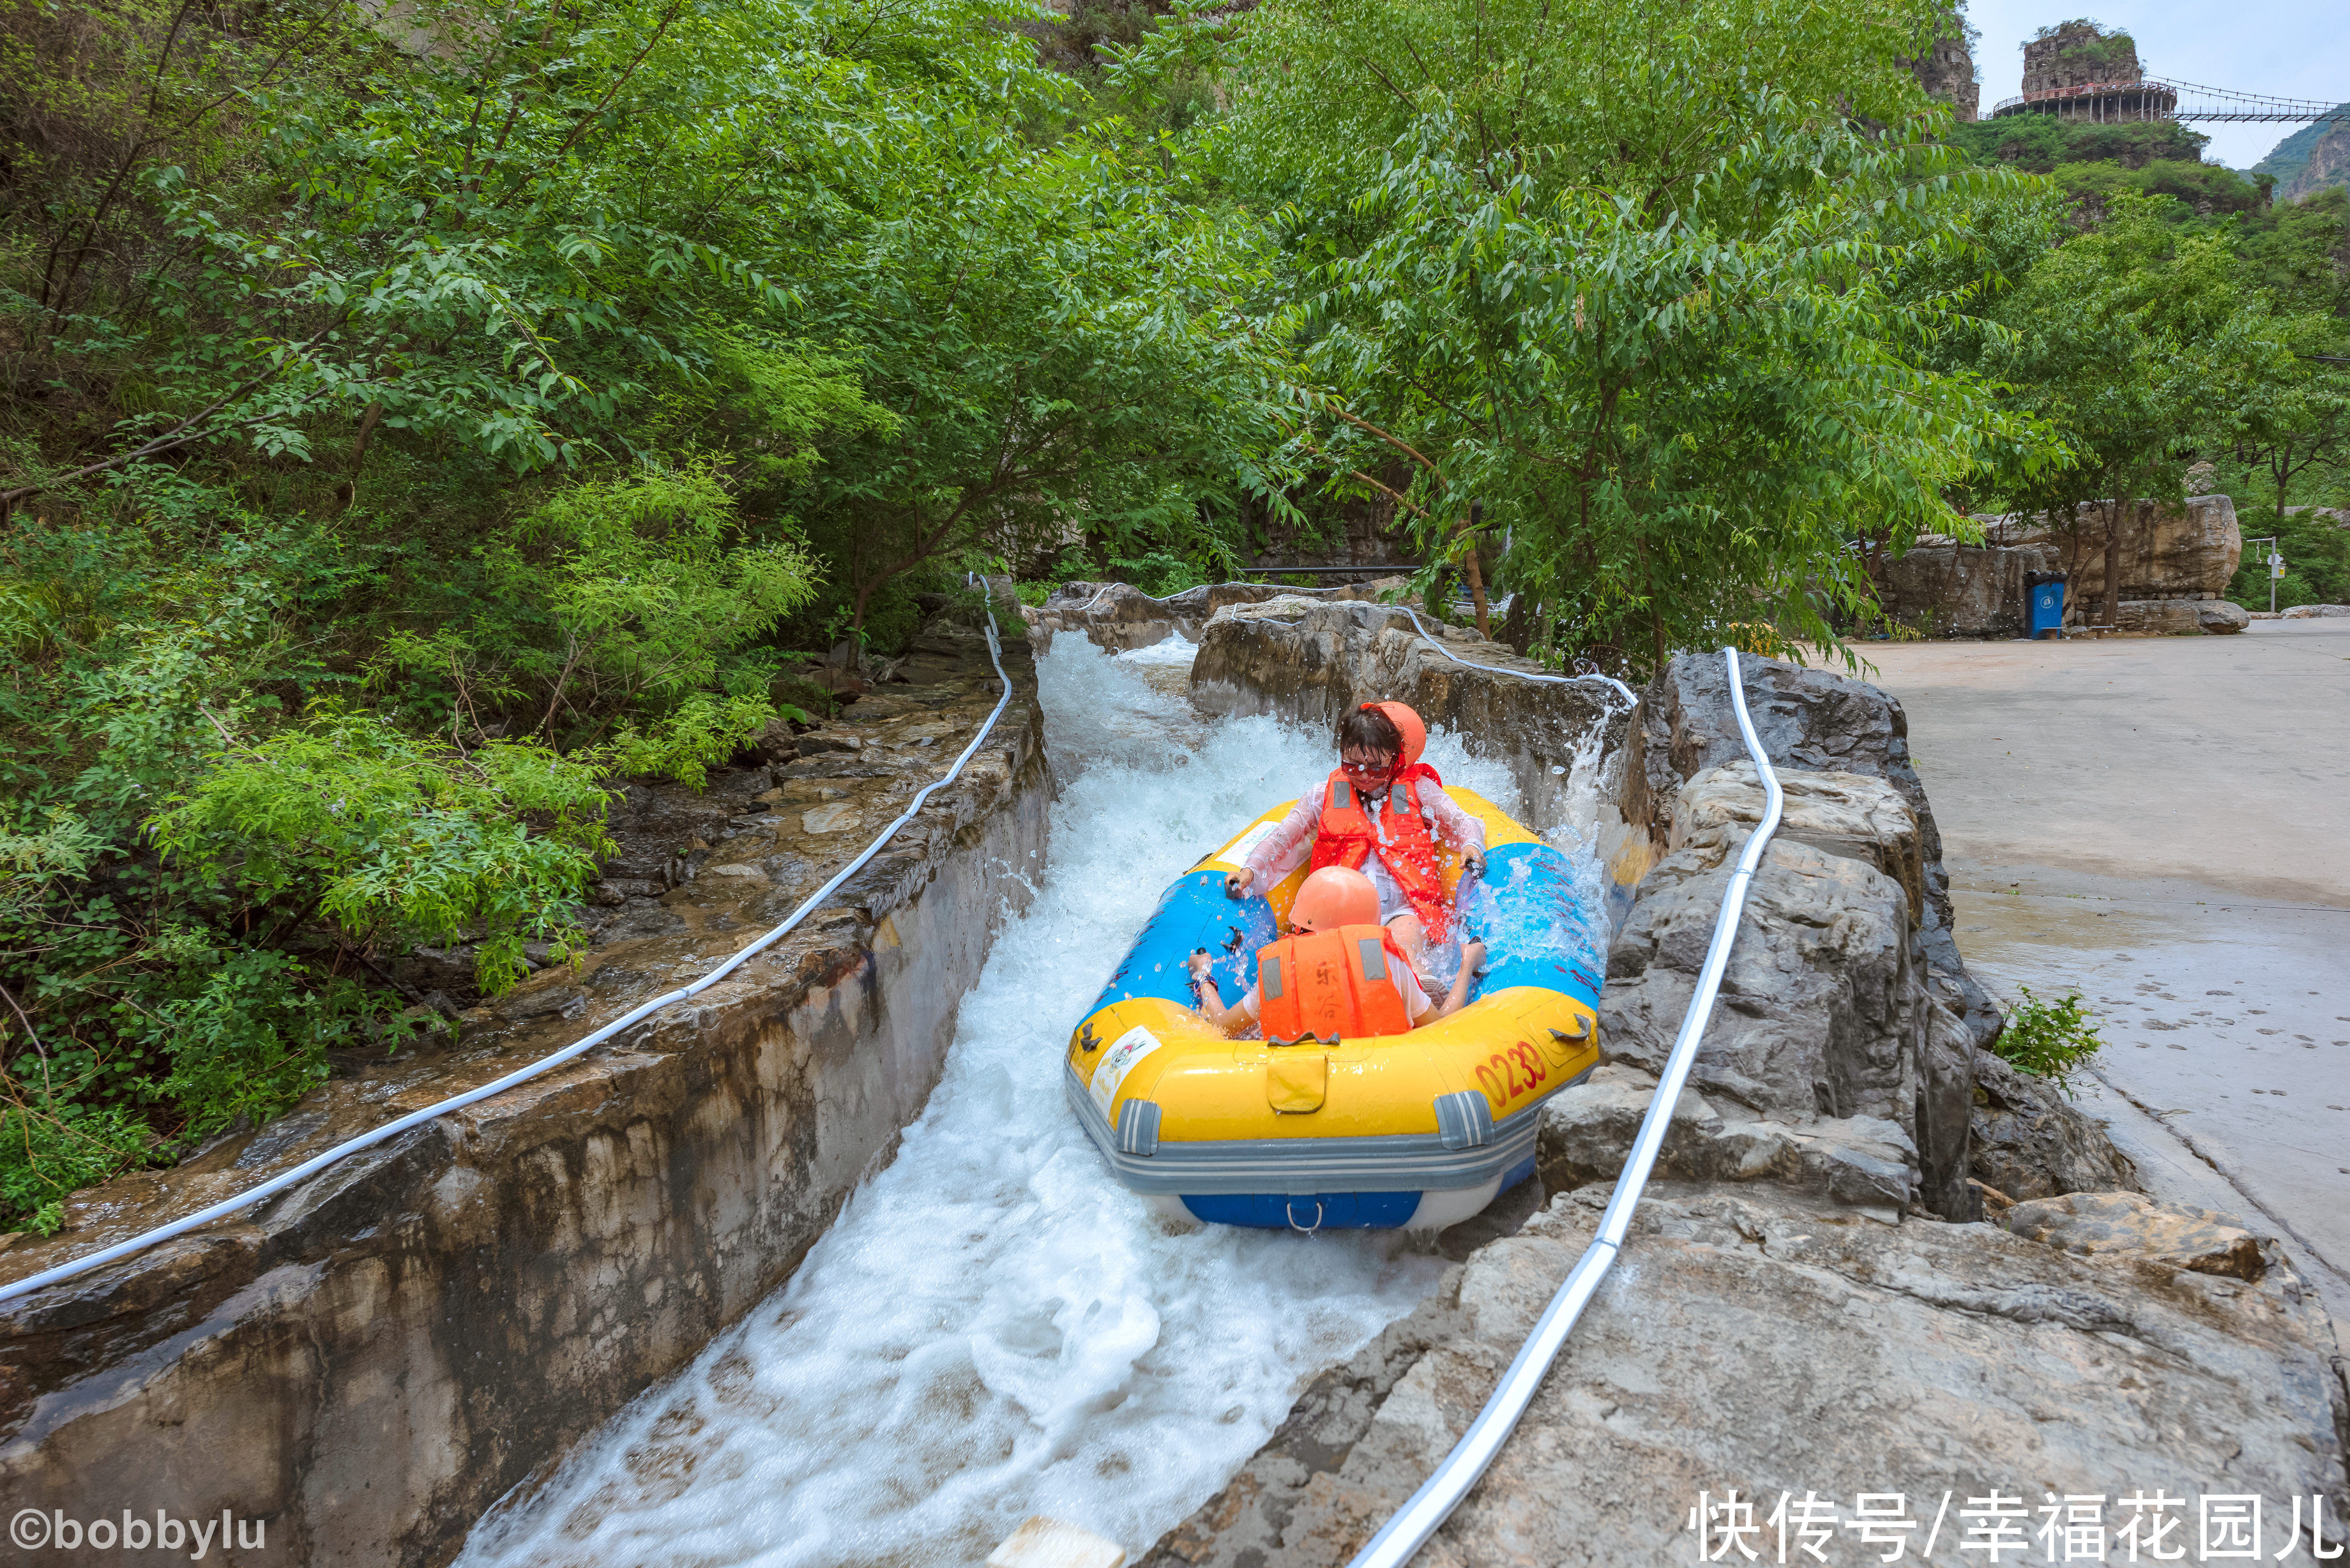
<point>2154,99</point>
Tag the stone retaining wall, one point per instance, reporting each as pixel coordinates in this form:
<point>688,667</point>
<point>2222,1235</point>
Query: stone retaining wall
<point>1950,589</point>
<point>1311,662</point>
<point>2168,550</point>
<point>1119,617</point>
<point>2175,559</point>
<point>369,1361</point>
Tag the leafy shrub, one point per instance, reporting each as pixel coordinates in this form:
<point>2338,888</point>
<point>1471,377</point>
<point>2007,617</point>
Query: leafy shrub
<point>396,840</point>
<point>628,611</point>
<point>48,1150</point>
<point>2048,1039</point>
<point>251,1036</point>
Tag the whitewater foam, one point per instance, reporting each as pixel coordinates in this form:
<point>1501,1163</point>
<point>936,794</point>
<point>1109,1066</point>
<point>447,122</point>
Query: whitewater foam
<point>992,1328</point>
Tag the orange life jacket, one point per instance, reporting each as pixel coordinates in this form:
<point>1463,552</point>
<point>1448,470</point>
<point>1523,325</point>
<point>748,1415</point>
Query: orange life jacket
<point>1335,984</point>
<point>1346,836</point>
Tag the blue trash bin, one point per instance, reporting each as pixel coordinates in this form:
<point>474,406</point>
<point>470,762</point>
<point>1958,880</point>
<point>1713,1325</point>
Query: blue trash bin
<point>2044,598</point>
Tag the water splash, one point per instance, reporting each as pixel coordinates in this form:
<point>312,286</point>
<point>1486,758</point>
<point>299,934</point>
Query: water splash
<point>992,1328</point>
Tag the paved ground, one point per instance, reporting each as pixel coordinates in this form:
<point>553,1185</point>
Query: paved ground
<point>2164,824</point>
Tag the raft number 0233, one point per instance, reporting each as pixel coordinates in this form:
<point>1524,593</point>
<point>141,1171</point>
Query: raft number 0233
<point>1501,1087</point>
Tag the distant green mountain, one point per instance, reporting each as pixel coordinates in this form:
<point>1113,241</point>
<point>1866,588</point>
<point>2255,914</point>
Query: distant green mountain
<point>2311,159</point>
<point>2093,162</point>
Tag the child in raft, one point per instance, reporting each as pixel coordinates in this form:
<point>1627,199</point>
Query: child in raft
<point>1381,812</point>
<point>1337,974</point>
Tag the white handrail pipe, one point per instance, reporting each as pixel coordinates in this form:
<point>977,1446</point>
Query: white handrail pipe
<point>1403,1535</point>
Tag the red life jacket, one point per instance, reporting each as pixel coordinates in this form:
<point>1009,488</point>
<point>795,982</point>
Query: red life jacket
<point>1334,984</point>
<point>1346,836</point>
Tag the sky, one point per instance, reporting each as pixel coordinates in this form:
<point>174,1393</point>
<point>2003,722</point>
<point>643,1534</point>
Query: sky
<point>2292,49</point>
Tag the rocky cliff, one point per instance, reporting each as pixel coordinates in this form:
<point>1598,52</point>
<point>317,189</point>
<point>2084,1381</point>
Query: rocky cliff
<point>1947,68</point>
<point>2079,54</point>
<point>2312,158</point>
<point>2328,164</point>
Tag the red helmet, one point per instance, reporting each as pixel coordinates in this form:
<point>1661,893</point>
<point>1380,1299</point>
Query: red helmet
<point>1408,726</point>
<point>1333,897</point>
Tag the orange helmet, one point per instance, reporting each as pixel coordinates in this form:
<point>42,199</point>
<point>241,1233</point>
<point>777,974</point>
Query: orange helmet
<point>1333,897</point>
<point>1408,726</point>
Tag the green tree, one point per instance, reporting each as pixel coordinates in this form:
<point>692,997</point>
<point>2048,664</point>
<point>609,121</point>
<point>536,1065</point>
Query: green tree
<point>632,610</point>
<point>2293,427</point>
<point>1056,344</point>
<point>2134,340</point>
<point>402,436</point>
<point>1631,287</point>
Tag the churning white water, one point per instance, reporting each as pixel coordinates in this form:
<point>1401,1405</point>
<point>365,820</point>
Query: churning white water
<point>994,1328</point>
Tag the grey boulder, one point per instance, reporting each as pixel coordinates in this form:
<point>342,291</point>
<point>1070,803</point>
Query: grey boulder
<point>2028,1141</point>
<point>2221,617</point>
<point>1756,1342</point>
<point>1809,720</point>
<point>1824,1016</point>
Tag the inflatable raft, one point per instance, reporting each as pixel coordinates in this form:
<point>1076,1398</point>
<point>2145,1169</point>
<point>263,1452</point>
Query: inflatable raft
<point>1419,1130</point>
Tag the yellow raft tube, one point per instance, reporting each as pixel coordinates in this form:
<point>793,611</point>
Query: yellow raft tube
<point>1419,1130</point>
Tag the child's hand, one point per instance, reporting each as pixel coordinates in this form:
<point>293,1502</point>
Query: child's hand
<point>1472,955</point>
<point>1199,963</point>
<point>1238,883</point>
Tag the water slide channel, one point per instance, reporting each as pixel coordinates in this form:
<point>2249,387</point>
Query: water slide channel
<point>992,1328</point>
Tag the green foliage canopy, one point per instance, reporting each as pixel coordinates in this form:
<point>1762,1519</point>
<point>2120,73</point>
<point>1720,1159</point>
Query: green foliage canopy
<point>2135,340</point>
<point>396,840</point>
<point>1600,277</point>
